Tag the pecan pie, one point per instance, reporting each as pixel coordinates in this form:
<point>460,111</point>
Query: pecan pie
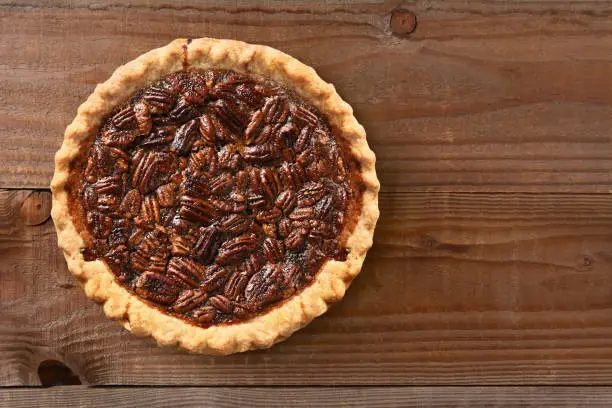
<point>215,195</point>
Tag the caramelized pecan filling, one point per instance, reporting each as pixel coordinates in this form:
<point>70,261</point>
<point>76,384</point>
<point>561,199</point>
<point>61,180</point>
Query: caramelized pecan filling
<point>215,196</point>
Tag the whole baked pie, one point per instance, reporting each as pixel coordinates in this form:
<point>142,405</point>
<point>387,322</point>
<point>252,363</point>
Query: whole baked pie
<point>215,195</point>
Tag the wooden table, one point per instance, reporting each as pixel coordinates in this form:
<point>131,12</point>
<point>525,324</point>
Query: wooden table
<point>491,123</point>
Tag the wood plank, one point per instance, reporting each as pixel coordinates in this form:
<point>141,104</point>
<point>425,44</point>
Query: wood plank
<point>459,288</point>
<point>482,96</point>
<point>426,397</point>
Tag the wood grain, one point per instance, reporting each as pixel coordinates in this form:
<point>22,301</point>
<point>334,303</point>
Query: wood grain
<point>459,288</point>
<point>482,96</point>
<point>426,397</point>
<point>492,261</point>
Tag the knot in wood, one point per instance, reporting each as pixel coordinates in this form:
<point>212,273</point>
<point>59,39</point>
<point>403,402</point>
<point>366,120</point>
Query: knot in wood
<point>403,22</point>
<point>36,208</point>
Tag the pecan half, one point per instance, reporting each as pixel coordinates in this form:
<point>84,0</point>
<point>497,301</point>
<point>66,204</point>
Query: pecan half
<point>286,200</point>
<point>304,213</point>
<point>150,209</point>
<point>185,137</point>
<point>188,300</point>
<point>205,315</point>
<point>206,246</point>
<point>221,183</point>
<point>228,86</point>
<point>310,194</point>
<point>142,114</point>
<point>181,245</point>
<point>207,129</point>
<point>260,153</point>
<point>221,133</point>
<point>249,96</point>
<point>186,270</point>
<point>156,288</point>
<point>242,181</point>
<point>235,286</point>
<point>159,99</point>
<point>270,230</point>
<point>206,160</point>
<point>229,206</point>
<point>253,128</point>
<point>151,171</point>
<point>196,209</point>
<point>230,114</point>
<point>263,287</point>
<point>216,277</point>
<point>118,138</point>
<point>284,227</point>
<point>287,134</point>
<point>253,264</point>
<point>304,158</point>
<point>270,183</point>
<point>296,239</point>
<point>291,274</point>
<point>268,216</point>
<point>158,263</point>
<point>183,110</point>
<point>303,116</point>
<point>130,205</point>
<point>160,136</point>
<point>111,184</point>
<point>292,175</point>
<point>273,249</point>
<point>125,118</point>
<point>136,238</point>
<point>254,184</point>
<point>195,185</point>
<point>165,194</point>
<point>108,204</point>
<point>101,224</point>
<point>153,242</point>
<point>197,95</point>
<point>303,140</point>
<point>236,249</point>
<point>119,255</point>
<point>255,201</point>
<point>235,223</point>
<point>324,207</point>
<point>139,261</point>
<point>265,136</point>
<point>276,109</point>
<point>229,160</point>
<point>221,303</point>
<point>323,231</point>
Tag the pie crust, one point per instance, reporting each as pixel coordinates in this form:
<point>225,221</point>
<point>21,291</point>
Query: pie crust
<point>137,315</point>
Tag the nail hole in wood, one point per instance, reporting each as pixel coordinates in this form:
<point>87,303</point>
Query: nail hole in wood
<point>53,372</point>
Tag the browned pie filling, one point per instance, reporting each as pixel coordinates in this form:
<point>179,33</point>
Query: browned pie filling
<point>215,196</point>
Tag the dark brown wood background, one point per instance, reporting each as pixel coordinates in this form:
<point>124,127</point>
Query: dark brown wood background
<point>491,122</point>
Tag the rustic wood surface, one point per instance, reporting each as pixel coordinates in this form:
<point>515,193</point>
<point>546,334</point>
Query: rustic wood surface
<point>425,397</point>
<point>491,123</point>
